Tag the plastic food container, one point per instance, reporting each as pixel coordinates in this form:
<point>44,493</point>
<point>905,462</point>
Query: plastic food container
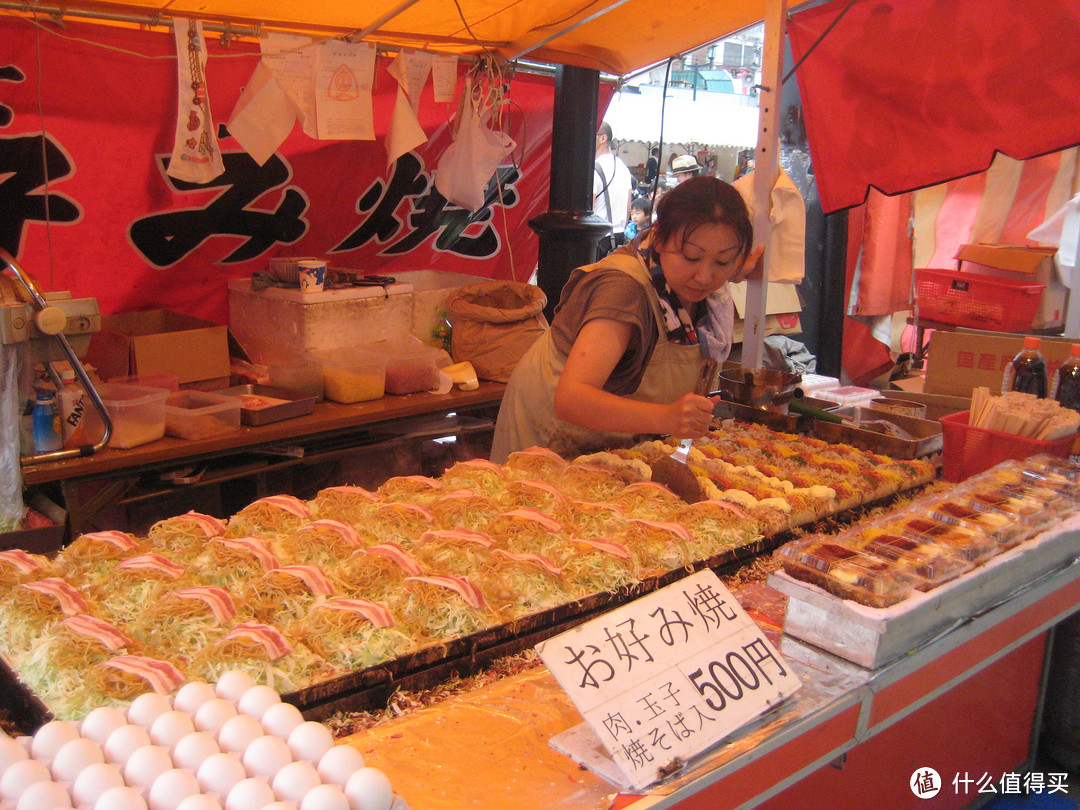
<point>962,511</point>
<point>299,376</point>
<point>848,395</point>
<point>933,563</point>
<point>197,415</point>
<point>817,382</point>
<point>353,375</point>
<point>847,573</point>
<point>973,544</point>
<point>137,413</point>
<point>411,368</point>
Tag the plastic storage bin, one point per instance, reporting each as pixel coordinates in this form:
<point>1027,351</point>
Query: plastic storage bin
<point>845,572</point>
<point>969,450</point>
<point>975,300</point>
<point>353,375</point>
<point>413,367</point>
<point>137,413</point>
<point>197,415</point>
<point>848,395</point>
<point>299,375</point>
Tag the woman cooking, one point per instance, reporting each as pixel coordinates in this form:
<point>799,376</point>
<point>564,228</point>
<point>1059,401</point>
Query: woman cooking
<point>631,332</point>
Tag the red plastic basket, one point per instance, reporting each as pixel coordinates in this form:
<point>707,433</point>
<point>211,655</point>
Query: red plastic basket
<point>976,300</point>
<point>969,450</point>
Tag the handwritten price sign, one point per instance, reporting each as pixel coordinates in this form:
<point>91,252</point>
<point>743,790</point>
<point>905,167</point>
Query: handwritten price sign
<point>665,677</point>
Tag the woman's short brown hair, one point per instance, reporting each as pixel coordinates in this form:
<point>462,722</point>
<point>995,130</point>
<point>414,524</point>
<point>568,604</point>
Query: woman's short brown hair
<point>703,201</point>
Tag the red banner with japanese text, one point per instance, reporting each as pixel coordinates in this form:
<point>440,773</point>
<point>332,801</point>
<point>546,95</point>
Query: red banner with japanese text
<point>87,119</point>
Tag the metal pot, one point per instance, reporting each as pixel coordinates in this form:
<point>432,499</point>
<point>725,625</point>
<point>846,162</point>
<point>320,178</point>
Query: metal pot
<point>759,387</point>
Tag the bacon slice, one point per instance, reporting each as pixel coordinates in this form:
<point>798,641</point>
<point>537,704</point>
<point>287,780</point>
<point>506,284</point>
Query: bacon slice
<point>372,611</point>
<point>347,532</point>
<point>269,638</point>
<point>152,561</point>
<point>677,529</point>
<point>400,506</point>
<point>69,600</point>
<point>218,600</point>
<point>395,552</point>
<point>23,562</point>
<point>534,516</point>
<point>311,575</point>
<point>649,488</point>
<point>162,676</point>
<point>461,535</point>
<point>290,503</point>
<point>211,526</point>
<point>530,483</point>
<point>121,540</point>
<point>350,490</point>
<point>98,630</point>
<point>456,495</point>
<point>605,507</point>
<point>536,559</point>
<point>424,480</point>
<point>465,589</point>
<point>255,546</point>
<point>607,546</point>
<point>728,506</point>
<point>542,452</point>
<point>480,464</point>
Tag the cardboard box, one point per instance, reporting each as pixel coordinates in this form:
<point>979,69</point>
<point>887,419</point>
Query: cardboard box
<point>965,359</point>
<point>1031,264</point>
<point>782,308</point>
<point>160,341</point>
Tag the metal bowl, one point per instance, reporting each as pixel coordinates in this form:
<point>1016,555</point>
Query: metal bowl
<point>758,387</point>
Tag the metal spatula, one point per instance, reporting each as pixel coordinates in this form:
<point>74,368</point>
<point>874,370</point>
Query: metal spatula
<point>672,471</point>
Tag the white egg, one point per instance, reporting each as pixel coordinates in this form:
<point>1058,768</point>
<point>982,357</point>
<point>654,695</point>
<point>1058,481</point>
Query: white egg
<point>124,741</point>
<point>280,719</point>
<point>169,728</point>
<point>293,781</point>
<point>192,695</point>
<point>102,722</point>
<point>171,788</point>
<point>94,780</point>
<point>325,797</point>
<point>238,732</point>
<point>73,757</point>
<point>200,802</point>
<point>20,776</point>
<point>220,772</point>
<point>310,740</point>
<point>233,684</point>
<point>146,708</point>
<point>369,789</point>
<point>146,764</point>
<point>250,794</point>
<point>281,806</point>
<point>192,749</point>
<point>11,751</point>
<point>43,794</point>
<point>214,714</point>
<point>51,737</point>
<point>339,763</point>
<point>121,798</point>
<point>257,700</point>
<point>265,756</point>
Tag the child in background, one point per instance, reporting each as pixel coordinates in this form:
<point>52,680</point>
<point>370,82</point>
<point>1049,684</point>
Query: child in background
<point>640,216</point>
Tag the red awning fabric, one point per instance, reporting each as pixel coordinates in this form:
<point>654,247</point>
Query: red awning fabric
<point>903,94</point>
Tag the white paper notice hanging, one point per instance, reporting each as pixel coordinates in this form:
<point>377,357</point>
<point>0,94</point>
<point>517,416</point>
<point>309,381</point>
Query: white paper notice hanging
<point>667,676</point>
<point>410,69</point>
<point>291,58</point>
<point>444,77</point>
<point>343,77</point>
<point>264,115</point>
<point>195,157</point>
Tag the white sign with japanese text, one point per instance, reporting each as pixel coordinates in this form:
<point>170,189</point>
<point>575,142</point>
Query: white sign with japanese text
<point>665,677</point>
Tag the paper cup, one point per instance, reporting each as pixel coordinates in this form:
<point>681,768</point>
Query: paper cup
<point>312,275</point>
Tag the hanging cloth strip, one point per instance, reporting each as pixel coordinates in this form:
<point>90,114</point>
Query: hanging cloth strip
<point>195,157</point>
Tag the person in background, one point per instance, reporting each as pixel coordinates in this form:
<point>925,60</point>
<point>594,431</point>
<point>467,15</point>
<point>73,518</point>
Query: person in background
<point>652,166</point>
<point>631,331</point>
<point>684,167</point>
<point>613,186</point>
<point>640,216</point>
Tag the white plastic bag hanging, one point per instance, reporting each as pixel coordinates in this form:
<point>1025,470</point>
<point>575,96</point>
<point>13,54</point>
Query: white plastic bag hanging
<point>468,163</point>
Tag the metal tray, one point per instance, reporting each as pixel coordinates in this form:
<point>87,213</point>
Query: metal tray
<point>780,419</point>
<point>927,442</point>
<point>297,403</point>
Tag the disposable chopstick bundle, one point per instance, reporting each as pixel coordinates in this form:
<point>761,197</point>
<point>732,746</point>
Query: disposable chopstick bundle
<point>1022,415</point>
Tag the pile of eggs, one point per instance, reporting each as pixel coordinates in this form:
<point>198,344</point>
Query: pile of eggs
<point>233,745</point>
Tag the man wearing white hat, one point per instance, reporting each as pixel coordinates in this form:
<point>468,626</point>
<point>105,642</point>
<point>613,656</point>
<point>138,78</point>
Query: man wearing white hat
<point>684,167</point>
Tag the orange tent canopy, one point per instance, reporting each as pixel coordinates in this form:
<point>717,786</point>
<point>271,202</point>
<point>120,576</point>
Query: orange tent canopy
<point>613,36</point>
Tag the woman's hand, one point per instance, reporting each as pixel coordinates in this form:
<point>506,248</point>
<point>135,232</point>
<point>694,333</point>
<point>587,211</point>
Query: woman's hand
<point>751,265</point>
<point>689,416</point>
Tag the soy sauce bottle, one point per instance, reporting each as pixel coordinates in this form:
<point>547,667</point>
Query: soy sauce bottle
<point>1027,371</point>
<point>1066,388</point>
